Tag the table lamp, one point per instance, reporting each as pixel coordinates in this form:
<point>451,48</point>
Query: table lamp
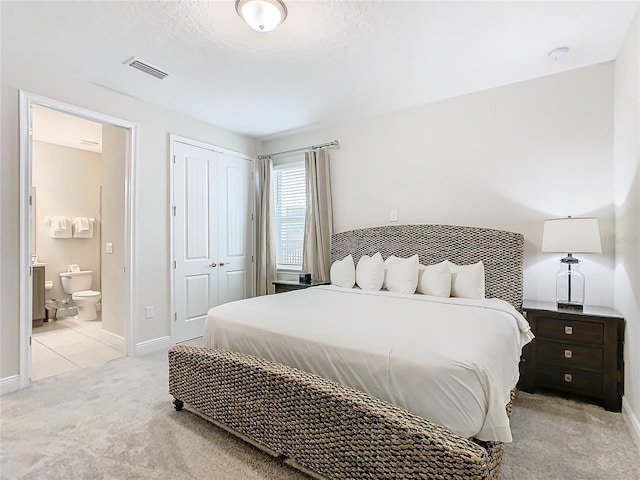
<point>571,235</point>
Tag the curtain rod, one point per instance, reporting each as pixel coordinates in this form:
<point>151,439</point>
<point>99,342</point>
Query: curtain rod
<point>335,143</point>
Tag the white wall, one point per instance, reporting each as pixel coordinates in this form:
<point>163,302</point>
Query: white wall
<point>115,147</point>
<point>626,154</point>
<point>150,194</point>
<point>505,158</point>
<point>67,182</point>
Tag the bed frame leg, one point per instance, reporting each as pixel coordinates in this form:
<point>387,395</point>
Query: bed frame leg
<point>178,404</point>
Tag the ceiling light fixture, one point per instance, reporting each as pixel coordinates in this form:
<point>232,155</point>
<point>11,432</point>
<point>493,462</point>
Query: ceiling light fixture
<point>262,15</point>
<point>558,53</point>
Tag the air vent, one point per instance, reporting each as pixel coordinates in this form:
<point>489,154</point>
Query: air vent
<point>146,68</point>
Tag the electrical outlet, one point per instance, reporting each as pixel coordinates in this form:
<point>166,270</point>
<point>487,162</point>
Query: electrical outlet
<point>149,312</point>
<point>393,216</point>
<point>108,247</point>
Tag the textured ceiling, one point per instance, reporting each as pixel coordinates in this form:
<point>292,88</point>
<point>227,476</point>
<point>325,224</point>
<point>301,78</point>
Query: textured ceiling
<point>329,60</point>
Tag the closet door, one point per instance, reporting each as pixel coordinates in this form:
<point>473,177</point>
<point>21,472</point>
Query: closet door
<point>195,187</point>
<point>235,277</point>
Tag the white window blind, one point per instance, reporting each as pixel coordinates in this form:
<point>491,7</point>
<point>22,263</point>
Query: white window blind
<point>289,201</point>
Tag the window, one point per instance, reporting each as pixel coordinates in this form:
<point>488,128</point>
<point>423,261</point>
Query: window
<point>290,207</point>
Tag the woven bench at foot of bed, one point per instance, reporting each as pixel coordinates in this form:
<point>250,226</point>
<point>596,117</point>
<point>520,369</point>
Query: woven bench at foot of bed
<point>320,426</point>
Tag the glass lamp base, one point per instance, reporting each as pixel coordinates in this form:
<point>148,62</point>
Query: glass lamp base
<point>570,285</point>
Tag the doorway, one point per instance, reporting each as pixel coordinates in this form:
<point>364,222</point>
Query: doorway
<point>67,235</point>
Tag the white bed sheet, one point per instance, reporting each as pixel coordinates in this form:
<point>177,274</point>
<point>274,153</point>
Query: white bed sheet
<point>450,360</point>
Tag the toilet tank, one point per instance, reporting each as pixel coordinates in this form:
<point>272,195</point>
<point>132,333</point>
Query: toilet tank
<point>76,281</point>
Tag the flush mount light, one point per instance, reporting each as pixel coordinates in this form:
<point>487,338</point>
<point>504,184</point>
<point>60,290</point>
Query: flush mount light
<point>262,15</point>
<point>558,53</point>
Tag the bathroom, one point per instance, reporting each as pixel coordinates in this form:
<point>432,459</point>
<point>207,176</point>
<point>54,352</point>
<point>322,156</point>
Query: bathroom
<point>71,179</point>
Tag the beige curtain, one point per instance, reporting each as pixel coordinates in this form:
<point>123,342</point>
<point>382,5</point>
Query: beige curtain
<point>319,216</point>
<point>265,249</point>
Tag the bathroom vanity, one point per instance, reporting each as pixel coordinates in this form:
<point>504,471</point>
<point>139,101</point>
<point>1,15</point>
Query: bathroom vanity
<point>38,311</point>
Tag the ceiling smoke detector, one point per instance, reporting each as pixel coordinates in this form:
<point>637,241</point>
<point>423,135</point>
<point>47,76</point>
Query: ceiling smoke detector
<point>558,53</point>
<point>262,15</point>
<point>146,68</point>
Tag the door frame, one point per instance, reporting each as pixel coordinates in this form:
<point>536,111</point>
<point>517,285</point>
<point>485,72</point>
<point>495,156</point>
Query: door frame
<point>27,101</point>
<point>173,139</point>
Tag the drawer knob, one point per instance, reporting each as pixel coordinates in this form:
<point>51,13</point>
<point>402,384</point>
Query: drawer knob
<point>568,377</point>
<point>568,330</point>
<point>568,354</point>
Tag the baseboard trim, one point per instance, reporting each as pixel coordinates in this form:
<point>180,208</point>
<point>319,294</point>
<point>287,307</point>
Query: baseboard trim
<point>154,345</point>
<point>113,340</point>
<point>9,384</point>
<point>631,420</point>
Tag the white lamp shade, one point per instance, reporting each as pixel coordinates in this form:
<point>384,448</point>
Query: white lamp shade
<point>262,15</point>
<point>571,235</point>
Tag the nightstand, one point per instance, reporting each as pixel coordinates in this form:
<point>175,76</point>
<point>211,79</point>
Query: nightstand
<point>580,353</point>
<point>289,285</point>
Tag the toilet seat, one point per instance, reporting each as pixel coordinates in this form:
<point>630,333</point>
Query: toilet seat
<point>86,294</point>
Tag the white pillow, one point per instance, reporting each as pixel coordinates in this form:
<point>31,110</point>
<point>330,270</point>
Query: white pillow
<point>467,281</point>
<point>434,280</point>
<point>370,272</point>
<point>401,274</point>
<point>343,272</point>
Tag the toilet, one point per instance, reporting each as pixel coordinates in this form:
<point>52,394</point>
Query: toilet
<point>78,285</point>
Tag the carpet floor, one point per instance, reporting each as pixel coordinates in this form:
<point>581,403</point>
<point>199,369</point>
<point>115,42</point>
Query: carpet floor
<point>115,421</point>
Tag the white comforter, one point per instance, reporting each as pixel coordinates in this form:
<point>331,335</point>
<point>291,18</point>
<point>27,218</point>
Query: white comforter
<point>452,361</point>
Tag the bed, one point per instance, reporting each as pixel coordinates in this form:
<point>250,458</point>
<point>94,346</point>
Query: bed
<point>314,385</point>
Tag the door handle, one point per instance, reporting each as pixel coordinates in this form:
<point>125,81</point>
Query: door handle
<point>213,264</point>
<point>222,264</point>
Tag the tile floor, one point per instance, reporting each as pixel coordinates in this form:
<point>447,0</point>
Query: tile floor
<point>68,344</point>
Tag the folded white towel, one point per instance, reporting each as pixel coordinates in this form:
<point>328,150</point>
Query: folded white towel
<point>74,268</point>
<point>59,223</point>
<point>82,224</point>
<point>60,227</point>
<point>83,227</point>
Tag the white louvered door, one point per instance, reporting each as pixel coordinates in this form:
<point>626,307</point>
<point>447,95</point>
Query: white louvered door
<point>212,235</point>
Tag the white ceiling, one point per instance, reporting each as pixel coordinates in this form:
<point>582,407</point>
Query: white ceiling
<point>329,60</point>
<point>60,128</point>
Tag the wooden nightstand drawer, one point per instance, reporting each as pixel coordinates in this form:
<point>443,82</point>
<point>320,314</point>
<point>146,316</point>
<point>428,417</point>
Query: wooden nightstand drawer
<point>567,355</point>
<point>288,288</point>
<point>570,330</point>
<point>576,352</point>
<point>569,379</point>
<point>282,286</point>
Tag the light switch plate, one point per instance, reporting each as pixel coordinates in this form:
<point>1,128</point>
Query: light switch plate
<point>149,312</point>
<point>393,216</point>
<point>108,247</point>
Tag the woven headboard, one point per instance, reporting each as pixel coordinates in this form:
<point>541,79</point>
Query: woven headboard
<point>501,252</point>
